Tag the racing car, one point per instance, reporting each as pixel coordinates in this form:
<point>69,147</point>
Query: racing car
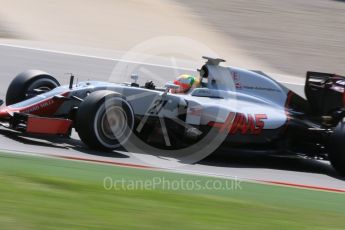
<point>248,108</point>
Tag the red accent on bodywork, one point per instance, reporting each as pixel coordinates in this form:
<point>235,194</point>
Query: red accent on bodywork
<point>4,113</point>
<point>226,126</point>
<point>259,123</point>
<point>52,126</point>
<point>46,107</point>
<point>238,122</point>
<point>251,124</point>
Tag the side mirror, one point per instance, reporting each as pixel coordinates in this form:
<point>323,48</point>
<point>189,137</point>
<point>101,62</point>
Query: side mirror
<point>168,86</point>
<point>171,85</point>
<point>61,98</point>
<point>1,102</point>
<point>134,77</point>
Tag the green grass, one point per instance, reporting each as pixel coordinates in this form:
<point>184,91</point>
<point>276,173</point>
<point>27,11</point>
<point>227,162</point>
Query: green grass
<point>41,193</point>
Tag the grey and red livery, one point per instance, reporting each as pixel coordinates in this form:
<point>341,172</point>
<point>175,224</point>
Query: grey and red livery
<point>253,110</point>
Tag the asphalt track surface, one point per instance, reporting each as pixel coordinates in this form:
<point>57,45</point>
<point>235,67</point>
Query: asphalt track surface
<point>292,170</point>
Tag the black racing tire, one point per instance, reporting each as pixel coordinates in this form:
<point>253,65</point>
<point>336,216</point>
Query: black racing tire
<point>104,120</point>
<point>23,84</point>
<point>336,148</point>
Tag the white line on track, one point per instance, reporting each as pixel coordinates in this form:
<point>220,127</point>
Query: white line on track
<point>92,56</point>
<point>124,60</point>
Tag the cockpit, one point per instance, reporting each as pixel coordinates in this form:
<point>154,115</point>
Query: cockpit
<point>212,77</point>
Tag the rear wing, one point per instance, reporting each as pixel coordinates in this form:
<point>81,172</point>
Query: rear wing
<point>325,92</point>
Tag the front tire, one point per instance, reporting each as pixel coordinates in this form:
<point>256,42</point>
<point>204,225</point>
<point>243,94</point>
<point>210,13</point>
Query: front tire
<point>104,120</point>
<point>336,148</point>
<point>23,86</point>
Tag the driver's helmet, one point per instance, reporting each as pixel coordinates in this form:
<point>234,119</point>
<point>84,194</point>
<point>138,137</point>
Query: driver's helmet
<point>186,82</point>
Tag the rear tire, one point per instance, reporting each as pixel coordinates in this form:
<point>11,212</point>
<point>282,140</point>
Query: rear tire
<point>104,120</point>
<point>23,85</point>
<point>336,148</point>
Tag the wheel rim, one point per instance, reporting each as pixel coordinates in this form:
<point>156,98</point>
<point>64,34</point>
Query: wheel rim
<point>114,123</point>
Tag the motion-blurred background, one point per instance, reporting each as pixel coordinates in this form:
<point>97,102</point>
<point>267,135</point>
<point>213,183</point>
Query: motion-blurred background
<point>287,37</point>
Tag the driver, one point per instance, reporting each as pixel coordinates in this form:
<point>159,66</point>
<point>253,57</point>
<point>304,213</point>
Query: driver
<point>186,83</point>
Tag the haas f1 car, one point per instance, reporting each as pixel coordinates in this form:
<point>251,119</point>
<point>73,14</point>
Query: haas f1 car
<point>252,110</point>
